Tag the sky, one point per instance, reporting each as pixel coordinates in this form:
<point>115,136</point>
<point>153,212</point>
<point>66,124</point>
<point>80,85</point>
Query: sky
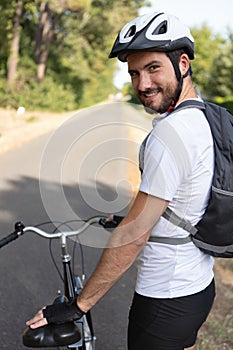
<point>216,14</point>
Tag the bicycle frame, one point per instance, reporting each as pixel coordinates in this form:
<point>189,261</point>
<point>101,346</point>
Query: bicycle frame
<point>72,287</point>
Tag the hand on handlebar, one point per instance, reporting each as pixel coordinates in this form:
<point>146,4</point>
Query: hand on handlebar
<point>112,221</point>
<point>56,313</point>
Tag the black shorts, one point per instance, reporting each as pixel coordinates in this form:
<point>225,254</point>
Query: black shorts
<point>168,324</point>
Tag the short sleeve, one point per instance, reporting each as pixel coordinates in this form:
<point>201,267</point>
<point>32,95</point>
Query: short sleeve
<point>166,162</point>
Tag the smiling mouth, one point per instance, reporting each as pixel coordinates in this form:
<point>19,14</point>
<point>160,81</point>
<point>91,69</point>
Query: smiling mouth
<point>150,93</point>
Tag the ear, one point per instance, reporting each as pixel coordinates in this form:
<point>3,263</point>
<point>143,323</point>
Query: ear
<point>184,63</point>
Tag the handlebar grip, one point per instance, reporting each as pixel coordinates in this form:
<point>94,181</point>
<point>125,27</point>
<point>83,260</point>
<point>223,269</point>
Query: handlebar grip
<point>111,224</point>
<point>107,224</point>
<point>12,236</point>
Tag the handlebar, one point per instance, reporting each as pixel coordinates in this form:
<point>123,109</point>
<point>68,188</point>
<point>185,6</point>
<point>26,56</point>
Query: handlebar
<point>20,229</point>
<point>91,221</point>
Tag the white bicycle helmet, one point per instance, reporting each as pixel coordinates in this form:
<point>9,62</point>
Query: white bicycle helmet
<point>153,32</point>
<point>156,32</point>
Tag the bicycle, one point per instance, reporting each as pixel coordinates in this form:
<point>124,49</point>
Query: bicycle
<point>77,335</point>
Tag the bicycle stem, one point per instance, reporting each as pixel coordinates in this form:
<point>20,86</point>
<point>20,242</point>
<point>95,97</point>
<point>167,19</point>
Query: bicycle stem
<point>69,286</point>
<point>65,255</point>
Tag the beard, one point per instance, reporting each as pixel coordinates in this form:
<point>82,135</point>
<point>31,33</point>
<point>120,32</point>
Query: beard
<point>168,93</point>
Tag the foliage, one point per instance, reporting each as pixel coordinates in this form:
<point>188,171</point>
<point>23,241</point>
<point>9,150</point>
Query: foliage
<point>221,83</point>
<point>207,48</point>
<point>73,42</point>
<point>47,96</point>
<point>128,91</point>
<point>72,45</point>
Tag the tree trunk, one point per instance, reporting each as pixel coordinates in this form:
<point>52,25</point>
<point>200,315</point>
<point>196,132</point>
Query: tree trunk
<point>44,36</point>
<point>14,49</point>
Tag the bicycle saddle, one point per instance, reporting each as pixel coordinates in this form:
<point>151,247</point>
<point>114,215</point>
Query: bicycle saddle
<point>52,335</point>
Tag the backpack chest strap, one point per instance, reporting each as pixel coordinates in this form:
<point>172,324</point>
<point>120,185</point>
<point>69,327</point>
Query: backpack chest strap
<point>171,241</point>
<point>176,220</point>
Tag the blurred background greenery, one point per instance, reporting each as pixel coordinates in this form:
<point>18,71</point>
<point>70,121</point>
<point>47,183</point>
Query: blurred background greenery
<point>54,54</point>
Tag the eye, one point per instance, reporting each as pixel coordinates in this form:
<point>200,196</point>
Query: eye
<point>133,73</point>
<point>153,68</point>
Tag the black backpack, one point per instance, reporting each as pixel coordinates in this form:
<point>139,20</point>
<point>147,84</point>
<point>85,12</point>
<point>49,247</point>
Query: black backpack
<point>213,234</point>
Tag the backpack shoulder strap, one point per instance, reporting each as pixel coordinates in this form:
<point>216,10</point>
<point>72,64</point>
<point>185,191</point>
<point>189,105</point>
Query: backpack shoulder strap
<point>176,220</point>
<point>168,213</point>
<point>190,104</point>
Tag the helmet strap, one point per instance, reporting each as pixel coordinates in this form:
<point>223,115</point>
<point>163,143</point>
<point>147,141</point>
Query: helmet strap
<point>173,60</point>
<point>179,78</point>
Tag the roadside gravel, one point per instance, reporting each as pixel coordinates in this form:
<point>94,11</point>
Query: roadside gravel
<point>15,129</point>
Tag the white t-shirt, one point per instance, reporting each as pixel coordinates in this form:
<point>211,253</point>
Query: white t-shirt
<point>177,166</point>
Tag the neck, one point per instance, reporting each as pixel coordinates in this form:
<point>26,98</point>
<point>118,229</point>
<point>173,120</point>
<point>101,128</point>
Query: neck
<point>188,90</point>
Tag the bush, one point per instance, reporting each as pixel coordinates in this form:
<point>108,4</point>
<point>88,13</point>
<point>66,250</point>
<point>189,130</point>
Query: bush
<point>46,96</point>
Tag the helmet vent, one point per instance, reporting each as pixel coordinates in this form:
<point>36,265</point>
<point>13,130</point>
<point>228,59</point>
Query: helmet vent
<point>131,32</point>
<point>161,29</point>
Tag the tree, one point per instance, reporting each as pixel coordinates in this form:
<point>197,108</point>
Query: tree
<point>207,48</point>
<point>81,47</point>
<point>14,46</point>
<point>221,83</point>
<point>45,32</point>
<point>63,46</point>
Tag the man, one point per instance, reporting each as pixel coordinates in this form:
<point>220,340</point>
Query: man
<point>175,287</point>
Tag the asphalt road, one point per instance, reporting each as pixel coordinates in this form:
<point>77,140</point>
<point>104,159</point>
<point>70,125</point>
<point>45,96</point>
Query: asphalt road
<point>87,167</point>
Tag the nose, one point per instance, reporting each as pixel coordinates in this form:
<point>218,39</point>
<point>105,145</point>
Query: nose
<point>144,81</point>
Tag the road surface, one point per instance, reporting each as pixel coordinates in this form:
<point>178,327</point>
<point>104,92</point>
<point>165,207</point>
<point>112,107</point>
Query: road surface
<point>88,166</point>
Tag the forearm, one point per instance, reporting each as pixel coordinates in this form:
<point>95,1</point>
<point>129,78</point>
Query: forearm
<point>112,265</point>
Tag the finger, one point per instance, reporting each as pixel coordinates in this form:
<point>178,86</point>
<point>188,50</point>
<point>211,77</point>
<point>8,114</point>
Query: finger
<point>39,316</point>
<point>110,217</point>
<point>40,323</point>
